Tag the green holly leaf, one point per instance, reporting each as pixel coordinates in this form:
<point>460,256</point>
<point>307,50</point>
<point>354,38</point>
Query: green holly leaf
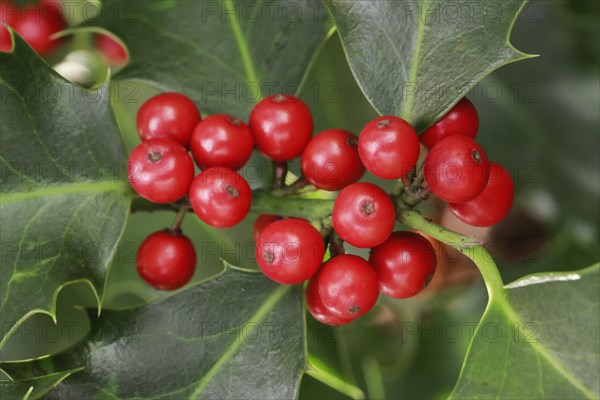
<point>236,336</point>
<point>538,338</point>
<point>417,59</point>
<point>63,208</point>
<point>226,55</point>
<point>30,389</point>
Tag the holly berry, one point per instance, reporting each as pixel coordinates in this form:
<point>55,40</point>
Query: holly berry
<point>262,222</point>
<point>8,16</point>
<point>404,264</point>
<point>220,197</point>
<point>317,308</point>
<point>330,160</point>
<point>166,260</point>
<point>491,205</point>
<point>111,50</point>
<point>290,251</point>
<point>462,119</point>
<point>456,169</point>
<point>6,44</point>
<point>160,170</point>
<point>37,22</point>
<point>282,126</point>
<point>348,286</point>
<point>389,147</point>
<point>168,115</point>
<point>222,141</point>
<point>9,13</point>
<point>363,215</point>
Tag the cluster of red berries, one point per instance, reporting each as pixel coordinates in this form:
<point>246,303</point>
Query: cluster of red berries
<point>400,264</point>
<point>35,22</point>
<point>291,250</point>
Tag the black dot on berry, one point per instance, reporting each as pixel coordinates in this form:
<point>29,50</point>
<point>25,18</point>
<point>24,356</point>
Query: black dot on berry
<point>280,98</point>
<point>367,207</point>
<point>354,310</point>
<point>476,156</point>
<point>235,121</point>
<point>269,257</point>
<point>154,156</point>
<point>352,141</point>
<point>233,192</point>
<point>383,123</point>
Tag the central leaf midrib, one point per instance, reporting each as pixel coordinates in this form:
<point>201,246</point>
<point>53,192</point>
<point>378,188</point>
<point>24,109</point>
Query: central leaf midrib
<point>414,68</point>
<point>512,316</point>
<point>61,190</point>
<point>251,76</point>
<point>262,312</point>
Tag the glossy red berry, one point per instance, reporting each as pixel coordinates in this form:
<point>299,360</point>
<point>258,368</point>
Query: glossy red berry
<point>262,222</point>
<point>404,264</point>
<point>168,115</point>
<point>6,44</point>
<point>9,13</point>
<point>348,286</point>
<point>166,260</point>
<point>363,215</point>
<point>389,147</point>
<point>317,308</point>
<point>36,23</point>
<point>282,126</point>
<point>290,251</point>
<point>220,197</point>
<point>491,205</point>
<point>111,50</point>
<point>330,160</point>
<point>456,169</point>
<point>462,119</point>
<point>222,141</point>
<point>160,170</point>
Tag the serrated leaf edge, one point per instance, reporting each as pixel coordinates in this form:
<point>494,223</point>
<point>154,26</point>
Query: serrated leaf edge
<point>510,314</point>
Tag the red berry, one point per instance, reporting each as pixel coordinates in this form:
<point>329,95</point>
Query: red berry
<point>222,141</point>
<point>456,169</point>
<point>316,306</point>
<point>290,251</point>
<point>330,160</point>
<point>389,147</point>
<point>168,115</point>
<point>348,286</point>
<point>262,222</point>
<point>112,50</point>
<point>462,119</point>
<point>9,13</point>
<point>160,170</point>
<point>6,44</point>
<point>282,126</point>
<point>491,205</point>
<point>220,197</point>
<point>37,22</point>
<point>404,264</point>
<point>166,260</point>
<point>363,215</point>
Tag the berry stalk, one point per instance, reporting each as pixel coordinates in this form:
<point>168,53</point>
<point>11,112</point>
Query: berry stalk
<point>468,245</point>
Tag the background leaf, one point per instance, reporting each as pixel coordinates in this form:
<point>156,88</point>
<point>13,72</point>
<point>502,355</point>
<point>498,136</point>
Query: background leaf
<point>529,343</point>
<point>417,59</point>
<point>238,335</point>
<point>226,55</point>
<point>30,389</point>
<point>64,203</point>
